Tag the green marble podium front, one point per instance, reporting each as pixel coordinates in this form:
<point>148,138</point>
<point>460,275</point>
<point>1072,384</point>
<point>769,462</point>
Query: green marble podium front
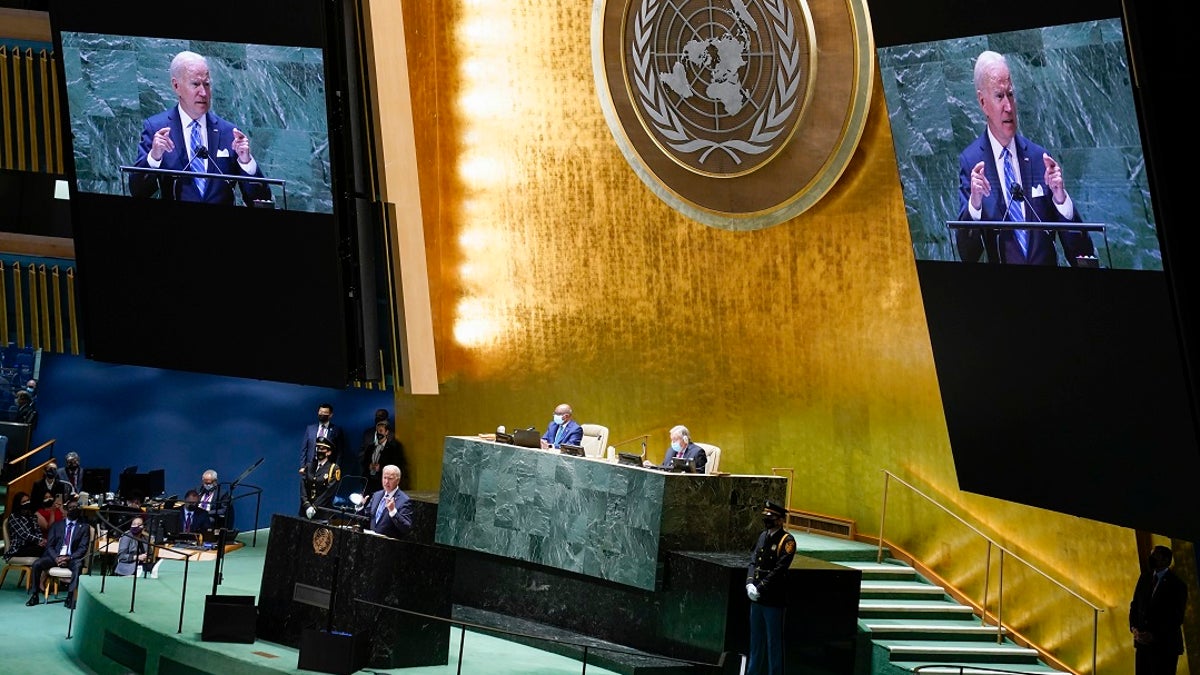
<point>590,516</point>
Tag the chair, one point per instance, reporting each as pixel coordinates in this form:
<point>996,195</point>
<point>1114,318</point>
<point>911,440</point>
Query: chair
<point>62,575</point>
<point>595,440</point>
<point>22,564</point>
<point>714,456</point>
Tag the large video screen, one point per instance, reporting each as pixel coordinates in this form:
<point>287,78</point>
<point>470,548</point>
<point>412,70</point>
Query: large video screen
<point>1055,326</point>
<point>268,99</point>
<point>1067,110</point>
<point>203,175</point>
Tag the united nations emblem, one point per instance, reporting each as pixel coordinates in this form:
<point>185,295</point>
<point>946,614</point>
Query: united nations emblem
<point>726,108</point>
<point>322,541</point>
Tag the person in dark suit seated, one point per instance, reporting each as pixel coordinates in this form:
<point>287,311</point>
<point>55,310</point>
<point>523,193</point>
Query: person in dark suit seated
<point>563,429</point>
<point>384,449</point>
<point>193,519</point>
<point>1156,616</point>
<point>998,160</point>
<point>190,137</point>
<point>218,504</point>
<point>682,446</point>
<point>389,509</point>
<point>67,546</point>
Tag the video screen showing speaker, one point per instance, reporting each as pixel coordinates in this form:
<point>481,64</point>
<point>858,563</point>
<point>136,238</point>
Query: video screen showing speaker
<point>1025,163</point>
<point>203,173</point>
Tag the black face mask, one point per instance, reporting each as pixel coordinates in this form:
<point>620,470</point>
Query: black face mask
<point>51,473</point>
<point>323,419</point>
<point>770,521</point>
<point>190,506</point>
<point>74,513</point>
<point>26,506</point>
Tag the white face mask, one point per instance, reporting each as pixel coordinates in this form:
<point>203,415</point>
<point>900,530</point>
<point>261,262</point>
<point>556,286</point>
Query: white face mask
<point>558,419</point>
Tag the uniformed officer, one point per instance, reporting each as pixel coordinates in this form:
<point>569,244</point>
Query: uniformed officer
<point>318,481</point>
<point>766,586</point>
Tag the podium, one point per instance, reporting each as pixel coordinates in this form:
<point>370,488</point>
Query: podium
<point>212,175</point>
<point>995,227</point>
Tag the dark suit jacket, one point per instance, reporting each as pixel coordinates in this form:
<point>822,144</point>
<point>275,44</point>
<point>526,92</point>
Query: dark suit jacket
<point>308,448</point>
<point>201,521</point>
<point>77,485</point>
<point>393,453</point>
<point>1001,246</point>
<point>693,452</point>
<point>221,159</point>
<point>572,436</point>
<point>81,539</point>
<point>1159,611</point>
<point>399,525</point>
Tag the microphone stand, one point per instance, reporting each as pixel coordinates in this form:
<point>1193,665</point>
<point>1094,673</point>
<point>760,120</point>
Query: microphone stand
<point>643,437</point>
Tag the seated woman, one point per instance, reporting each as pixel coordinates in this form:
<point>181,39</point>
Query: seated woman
<point>133,549</point>
<point>51,512</point>
<point>26,539</point>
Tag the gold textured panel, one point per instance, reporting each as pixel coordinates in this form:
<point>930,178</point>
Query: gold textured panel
<point>555,275</point>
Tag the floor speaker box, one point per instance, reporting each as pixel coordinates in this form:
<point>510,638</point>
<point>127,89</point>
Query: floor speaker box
<point>229,618</point>
<point>325,652</point>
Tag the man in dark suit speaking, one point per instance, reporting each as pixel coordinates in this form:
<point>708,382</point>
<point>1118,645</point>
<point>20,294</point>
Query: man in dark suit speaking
<point>390,510</point>
<point>190,137</point>
<point>1004,176</point>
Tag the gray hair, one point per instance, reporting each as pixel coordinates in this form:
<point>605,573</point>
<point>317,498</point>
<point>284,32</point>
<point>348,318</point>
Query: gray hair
<point>209,472</point>
<point>72,455</point>
<point>986,66</point>
<point>682,431</point>
<point>184,59</point>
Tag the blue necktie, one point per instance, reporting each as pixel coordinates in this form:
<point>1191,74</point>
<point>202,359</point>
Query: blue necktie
<point>1015,210</point>
<point>197,164</point>
<point>70,532</point>
<point>379,511</point>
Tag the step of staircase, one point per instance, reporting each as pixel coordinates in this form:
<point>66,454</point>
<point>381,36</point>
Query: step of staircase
<point>928,668</point>
<point>911,609</point>
<point>929,629</point>
<point>884,571</point>
<point>899,590</point>
<point>939,651</point>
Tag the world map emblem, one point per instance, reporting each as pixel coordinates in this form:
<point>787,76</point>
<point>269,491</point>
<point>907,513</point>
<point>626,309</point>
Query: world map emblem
<point>720,83</point>
<point>727,109</point>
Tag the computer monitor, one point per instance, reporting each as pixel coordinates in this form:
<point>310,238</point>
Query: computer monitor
<point>527,438</point>
<point>683,464</point>
<point>96,481</point>
<point>573,450</point>
<point>143,485</point>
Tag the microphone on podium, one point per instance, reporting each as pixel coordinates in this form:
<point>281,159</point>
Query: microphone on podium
<point>623,455</point>
<point>1018,193</point>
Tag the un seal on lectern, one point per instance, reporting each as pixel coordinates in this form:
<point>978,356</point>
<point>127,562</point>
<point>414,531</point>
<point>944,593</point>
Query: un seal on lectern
<point>322,541</point>
<point>727,109</point>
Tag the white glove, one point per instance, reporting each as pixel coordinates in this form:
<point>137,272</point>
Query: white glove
<point>752,592</point>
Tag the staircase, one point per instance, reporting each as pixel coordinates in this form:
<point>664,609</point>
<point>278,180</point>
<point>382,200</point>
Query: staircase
<point>908,625</point>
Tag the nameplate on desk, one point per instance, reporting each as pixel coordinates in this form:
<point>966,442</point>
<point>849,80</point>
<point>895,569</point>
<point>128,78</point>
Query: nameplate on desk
<point>311,595</point>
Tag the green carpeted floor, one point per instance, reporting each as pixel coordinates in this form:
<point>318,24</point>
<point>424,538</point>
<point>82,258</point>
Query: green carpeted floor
<point>43,640</point>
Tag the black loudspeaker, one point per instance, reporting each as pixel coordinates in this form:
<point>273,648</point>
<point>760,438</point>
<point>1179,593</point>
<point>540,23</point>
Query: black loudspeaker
<point>229,618</point>
<point>325,652</point>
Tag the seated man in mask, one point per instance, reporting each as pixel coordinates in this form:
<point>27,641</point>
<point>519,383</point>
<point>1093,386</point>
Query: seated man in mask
<point>67,545</point>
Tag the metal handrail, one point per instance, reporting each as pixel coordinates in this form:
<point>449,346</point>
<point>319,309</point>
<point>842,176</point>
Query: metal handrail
<point>888,476</point>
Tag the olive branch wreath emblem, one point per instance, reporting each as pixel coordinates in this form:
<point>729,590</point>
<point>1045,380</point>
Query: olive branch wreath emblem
<point>767,125</point>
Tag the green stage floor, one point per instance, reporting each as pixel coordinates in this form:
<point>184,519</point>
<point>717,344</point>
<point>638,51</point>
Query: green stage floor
<point>48,640</point>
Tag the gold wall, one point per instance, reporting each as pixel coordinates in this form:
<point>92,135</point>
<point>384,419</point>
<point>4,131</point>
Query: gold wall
<point>556,276</point>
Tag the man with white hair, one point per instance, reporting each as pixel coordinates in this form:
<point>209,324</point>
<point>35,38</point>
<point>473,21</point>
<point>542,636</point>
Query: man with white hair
<point>190,137</point>
<point>390,510</point>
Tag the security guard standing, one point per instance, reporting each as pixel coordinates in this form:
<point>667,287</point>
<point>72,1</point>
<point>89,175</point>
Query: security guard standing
<point>766,586</point>
<point>318,480</point>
